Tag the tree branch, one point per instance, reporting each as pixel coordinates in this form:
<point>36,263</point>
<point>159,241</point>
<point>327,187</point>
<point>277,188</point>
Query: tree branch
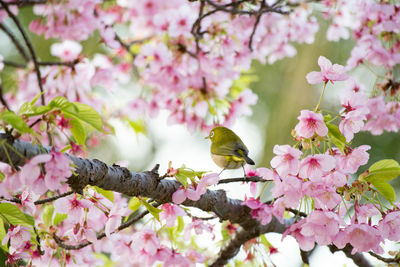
<point>15,41</point>
<point>2,100</point>
<point>242,236</point>
<point>357,258</point>
<point>387,260</point>
<point>242,179</point>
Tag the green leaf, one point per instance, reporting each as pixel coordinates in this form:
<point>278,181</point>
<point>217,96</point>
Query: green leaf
<point>59,217</point>
<point>138,126</point>
<point>181,224</point>
<point>386,190</point>
<point>134,204</point>
<point>2,176</point>
<point>2,234</point>
<point>336,136</point>
<point>107,262</point>
<point>15,121</point>
<point>383,170</point>
<point>224,232</point>
<point>154,211</point>
<point>78,131</point>
<point>84,113</point>
<point>106,193</point>
<point>182,179</point>
<point>13,215</point>
<point>264,241</point>
<point>47,215</point>
<point>62,103</point>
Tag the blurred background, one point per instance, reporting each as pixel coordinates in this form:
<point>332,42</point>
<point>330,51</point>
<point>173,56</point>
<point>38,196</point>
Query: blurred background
<point>282,91</point>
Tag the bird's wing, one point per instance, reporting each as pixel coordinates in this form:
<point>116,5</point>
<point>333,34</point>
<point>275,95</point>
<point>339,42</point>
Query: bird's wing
<point>239,149</point>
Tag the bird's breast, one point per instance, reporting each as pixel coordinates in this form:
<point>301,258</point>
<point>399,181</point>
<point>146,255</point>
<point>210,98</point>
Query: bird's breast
<point>228,162</point>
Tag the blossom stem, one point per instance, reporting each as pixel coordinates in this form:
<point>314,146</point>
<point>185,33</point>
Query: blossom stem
<point>320,98</point>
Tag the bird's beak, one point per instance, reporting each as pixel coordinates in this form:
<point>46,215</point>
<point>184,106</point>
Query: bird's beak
<point>207,137</point>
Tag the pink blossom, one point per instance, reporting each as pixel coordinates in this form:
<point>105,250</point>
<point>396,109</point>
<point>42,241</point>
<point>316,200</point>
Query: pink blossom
<point>315,166</point>
<point>310,123</point>
<point>180,195</point>
<point>17,235</point>
<point>322,226</point>
<point>147,240</point>
<point>194,256</point>
<point>58,169</point>
<point>114,218</point>
<point>260,211</point>
<point>305,242</point>
<point>74,207</point>
<point>324,195</point>
<point>175,259</point>
<point>27,200</point>
<point>286,160</point>
<point>290,188</point>
<point>205,181</point>
<point>364,213</point>
<point>389,226</point>
<point>266,174</point>
<point>351,123</point>
<point>195,193</point>
<point>170,212</point>
<point>328,72</point>
<point>357,157</point>
<point>31,174</point>
<point>362,237</point>
<point>199,228</point>
<point>67,50</point>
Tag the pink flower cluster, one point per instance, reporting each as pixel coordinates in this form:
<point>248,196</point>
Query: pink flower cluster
<point>194,192</point>
<point>206,73</point>
<point>58,169</point>
<point>318,177</point>
<point>67,20</point>
<point>384,116</point>
<point>370,22</point>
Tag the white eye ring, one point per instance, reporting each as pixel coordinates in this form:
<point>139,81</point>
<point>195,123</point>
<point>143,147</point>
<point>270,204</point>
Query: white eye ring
<point>212,134</point>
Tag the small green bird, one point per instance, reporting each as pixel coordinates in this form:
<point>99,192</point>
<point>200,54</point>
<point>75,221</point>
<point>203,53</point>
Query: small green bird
<point>227,149</point>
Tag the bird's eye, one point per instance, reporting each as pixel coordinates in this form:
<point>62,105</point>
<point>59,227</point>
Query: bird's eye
<point>212,134</point>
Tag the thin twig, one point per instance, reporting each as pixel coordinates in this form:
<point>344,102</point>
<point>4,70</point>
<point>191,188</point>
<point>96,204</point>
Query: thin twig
<point>42,201</point>
<point>29,45</point>
<point>14,64</point>
<point>242,179</point>
<point>387,260</point>
<point>260,13</point>
<point>15,41</point>
<point>27,2</point>
<point>70,64</point>
<point>102,235</point>
<point>50,199</point>
<point>2,100</point>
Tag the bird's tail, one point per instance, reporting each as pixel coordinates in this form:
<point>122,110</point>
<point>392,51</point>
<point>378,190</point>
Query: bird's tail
<point>248,160</point>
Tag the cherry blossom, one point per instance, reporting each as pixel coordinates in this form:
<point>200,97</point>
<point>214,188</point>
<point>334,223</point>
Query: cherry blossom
<point>67,50</point>
<point>310,123</point>
<point>17,235</point>
<point>329,72</point>
<point>287,160</point>
<point>170,212</point>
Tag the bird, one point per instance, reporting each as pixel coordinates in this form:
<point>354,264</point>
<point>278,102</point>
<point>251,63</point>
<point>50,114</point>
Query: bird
<point>227,149</point>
